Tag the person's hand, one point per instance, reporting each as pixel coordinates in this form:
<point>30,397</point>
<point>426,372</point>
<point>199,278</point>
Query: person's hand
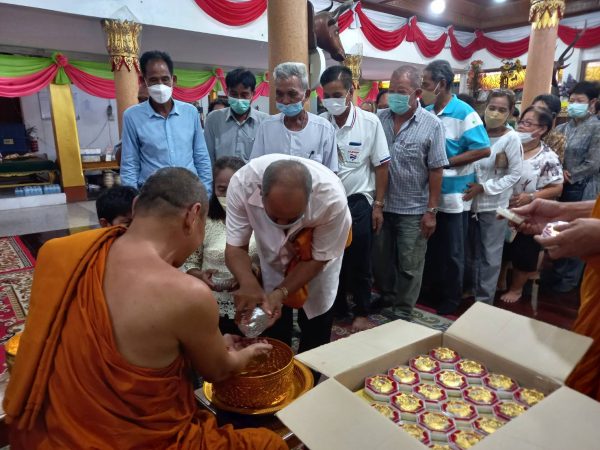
<point>205,276</point>
<point>580,238</point>
<point>377,218</point>
<point>428,224</point>
<point>256,350</point>
<point>519,200</point>
<point>537,215</point>
<point>246,298</point>
<point>473,190</point>
<point>567,176</point>
<point>233,342</point>
<point>273,305</point>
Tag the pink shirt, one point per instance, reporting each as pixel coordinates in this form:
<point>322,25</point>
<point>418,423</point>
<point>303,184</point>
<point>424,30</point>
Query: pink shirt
<point>327,213</point>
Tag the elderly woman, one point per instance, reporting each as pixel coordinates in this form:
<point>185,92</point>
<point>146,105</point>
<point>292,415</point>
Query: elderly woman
<point>542,177</point>
<point>209,259</point>
<point>555,140</point>
<point>496,176</point>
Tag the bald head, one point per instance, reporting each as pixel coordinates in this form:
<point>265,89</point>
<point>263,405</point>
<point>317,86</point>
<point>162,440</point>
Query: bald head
<point>286,189</point>
<point>409,73</point>
<point>170,191</point>
<point>287,174</point>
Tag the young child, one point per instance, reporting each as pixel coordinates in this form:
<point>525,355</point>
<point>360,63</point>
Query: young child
<point>114,206</point>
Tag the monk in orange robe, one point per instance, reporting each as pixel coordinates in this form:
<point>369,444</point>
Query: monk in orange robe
<point>580,238</point>
<point>114,331</point>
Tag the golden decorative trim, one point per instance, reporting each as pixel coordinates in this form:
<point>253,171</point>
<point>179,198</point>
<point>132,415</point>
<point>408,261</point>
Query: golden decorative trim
<point>122,43</point>
<point>353,62</point>
<point>546,13</point>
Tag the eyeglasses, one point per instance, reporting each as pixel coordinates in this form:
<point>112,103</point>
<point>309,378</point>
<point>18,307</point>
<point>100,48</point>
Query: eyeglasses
<point>527,123</point>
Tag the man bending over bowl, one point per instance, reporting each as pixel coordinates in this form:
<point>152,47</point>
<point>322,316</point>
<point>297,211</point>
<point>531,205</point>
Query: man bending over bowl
<point>299,213</point>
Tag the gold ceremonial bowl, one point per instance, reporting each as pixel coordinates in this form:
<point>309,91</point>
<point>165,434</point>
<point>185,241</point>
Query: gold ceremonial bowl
<point>264,383</point>
<point>10,349</point>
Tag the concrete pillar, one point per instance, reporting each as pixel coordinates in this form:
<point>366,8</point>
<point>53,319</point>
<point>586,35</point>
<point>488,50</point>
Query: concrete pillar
<point>66,141</point>
<point>544,16</point>
<point>122,43</point>
<point>288,36</point>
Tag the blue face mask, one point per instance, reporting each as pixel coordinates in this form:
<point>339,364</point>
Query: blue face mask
<point>577,110</point>
<point>399,103</point>
<point>239,105</point>
<point>291,110</point>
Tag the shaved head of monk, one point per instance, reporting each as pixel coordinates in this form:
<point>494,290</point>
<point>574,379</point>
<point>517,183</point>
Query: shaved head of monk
<point>172,203</point>
<point>116,330</point>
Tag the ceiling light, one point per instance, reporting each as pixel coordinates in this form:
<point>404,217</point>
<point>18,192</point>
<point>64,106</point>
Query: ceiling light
<point>499,1</point>
<point>437,6</point>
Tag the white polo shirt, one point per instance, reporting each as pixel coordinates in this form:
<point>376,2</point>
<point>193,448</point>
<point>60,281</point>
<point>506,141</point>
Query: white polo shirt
<point>327,213</point>
<point>316,141</point>
<point>361,146</point>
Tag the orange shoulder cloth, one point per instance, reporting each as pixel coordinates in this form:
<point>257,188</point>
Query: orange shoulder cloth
<point>303,247</point>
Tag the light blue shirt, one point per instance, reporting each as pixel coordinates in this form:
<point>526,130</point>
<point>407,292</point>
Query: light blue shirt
<point>464,132</point>
<point>151,141</point>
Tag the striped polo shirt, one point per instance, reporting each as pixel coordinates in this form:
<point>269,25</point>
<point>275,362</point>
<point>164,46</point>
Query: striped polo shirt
<point>464,131</point>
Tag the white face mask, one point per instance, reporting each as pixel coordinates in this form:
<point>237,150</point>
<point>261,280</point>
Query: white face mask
<point>160,93</point>
<point>223,202</point>
<point>286,226</point>
<point>526,137</point>
<point>335,106</point>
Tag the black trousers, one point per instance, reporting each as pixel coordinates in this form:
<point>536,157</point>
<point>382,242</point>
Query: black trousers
<point>313,332</point>
<point>445,260</point>
<point>355,275</point>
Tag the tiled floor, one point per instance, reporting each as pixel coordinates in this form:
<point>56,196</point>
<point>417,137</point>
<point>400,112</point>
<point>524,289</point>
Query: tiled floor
<point>23,221</point>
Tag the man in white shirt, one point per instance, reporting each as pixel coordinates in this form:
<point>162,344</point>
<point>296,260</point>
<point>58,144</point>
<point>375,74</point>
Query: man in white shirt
<point>295,131</point>
<point>277,197</point>
<point>363,158</point>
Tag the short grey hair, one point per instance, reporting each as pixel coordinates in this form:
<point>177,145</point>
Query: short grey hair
<point>413,74</point>
<point>288,172</point>
<point>440,69</point>
<point>287,70</point>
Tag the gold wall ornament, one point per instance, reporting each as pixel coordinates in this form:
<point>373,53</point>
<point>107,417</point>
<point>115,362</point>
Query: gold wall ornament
<point>122,43</point>
<point>353,62</point>
<point>546,13</point>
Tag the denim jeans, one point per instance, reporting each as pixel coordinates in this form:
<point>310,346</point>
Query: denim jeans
<point>399,256</point>
<point>446,258</point>
<point>355,275</point>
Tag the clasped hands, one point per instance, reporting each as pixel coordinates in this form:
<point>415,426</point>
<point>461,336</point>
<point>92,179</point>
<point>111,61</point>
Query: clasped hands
<point>578,238</point>
<point>248,296</point>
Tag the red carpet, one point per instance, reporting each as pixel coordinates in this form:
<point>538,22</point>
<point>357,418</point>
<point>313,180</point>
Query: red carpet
<point>16,274</point>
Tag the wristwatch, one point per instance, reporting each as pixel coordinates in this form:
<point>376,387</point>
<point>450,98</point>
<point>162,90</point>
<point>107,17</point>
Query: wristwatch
<point>433,211</point>
<point>378,203</point>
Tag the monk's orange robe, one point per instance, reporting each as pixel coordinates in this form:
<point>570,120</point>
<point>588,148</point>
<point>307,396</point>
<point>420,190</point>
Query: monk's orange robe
<point>586,376</point>
<point>71,388</point>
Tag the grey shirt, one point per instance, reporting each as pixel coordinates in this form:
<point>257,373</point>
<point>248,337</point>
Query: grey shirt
<point>225,136</point>
<point>419,147</point>
<point>582,152</point>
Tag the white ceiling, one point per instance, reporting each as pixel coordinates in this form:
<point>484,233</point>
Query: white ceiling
<point>40,32</point>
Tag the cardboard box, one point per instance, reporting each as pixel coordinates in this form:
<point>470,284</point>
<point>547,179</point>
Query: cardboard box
<point>538,355</point>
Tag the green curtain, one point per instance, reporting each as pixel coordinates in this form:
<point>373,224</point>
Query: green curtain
<point>12,66</point>
<point>192,78</point>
